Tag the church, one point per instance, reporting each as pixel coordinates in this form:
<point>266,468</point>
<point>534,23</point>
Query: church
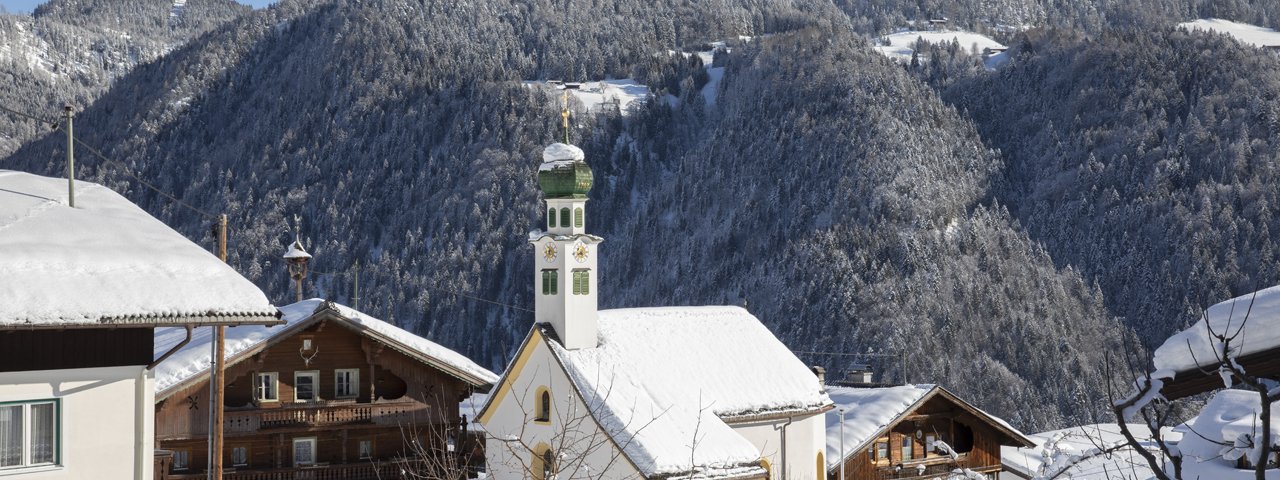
<point>696,392</point>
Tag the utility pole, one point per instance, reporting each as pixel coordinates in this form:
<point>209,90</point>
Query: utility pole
<point>355,297</point>
<point>220,367</point>
<point>71,159</point>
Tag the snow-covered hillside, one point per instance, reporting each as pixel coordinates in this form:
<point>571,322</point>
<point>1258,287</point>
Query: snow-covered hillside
<point>899,46</point>
<point>1246,33</point>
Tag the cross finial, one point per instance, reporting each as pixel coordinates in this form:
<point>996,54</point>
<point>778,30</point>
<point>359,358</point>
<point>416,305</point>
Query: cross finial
<point>564,114</point>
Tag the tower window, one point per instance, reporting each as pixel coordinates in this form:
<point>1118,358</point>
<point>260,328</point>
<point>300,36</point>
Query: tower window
<point>581,281</point>
<point>544,405</point>
<point>564,217</point>
<point>551,218</point>
<point>577,218</point>
<point>550,277</point>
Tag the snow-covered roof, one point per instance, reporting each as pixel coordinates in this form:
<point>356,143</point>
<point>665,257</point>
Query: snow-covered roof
<point>561,153</point>
<point>868,411</point>
<point>660,374</point>
<point>107,262</point>
<point>1184,350</point>
<point>296,251</point>
<point>1230,418</point>
<point>1083,453</point>
<point>191,363</point>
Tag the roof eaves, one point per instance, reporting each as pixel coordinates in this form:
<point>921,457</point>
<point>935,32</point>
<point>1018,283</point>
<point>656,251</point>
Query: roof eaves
<point>153,321</point>
<point>240,356</point>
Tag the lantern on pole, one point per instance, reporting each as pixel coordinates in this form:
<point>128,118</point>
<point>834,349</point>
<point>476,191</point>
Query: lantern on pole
<point>297,258</point>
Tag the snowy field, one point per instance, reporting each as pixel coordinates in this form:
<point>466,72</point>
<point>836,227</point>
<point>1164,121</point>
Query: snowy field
<point>594,96</point>
<point>899,46</point>
<point>1077,453</point>
<point>1246,33</point>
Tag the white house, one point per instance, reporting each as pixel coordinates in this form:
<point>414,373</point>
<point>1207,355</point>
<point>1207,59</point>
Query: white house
<point>81,289</point>
<point>696,392</point>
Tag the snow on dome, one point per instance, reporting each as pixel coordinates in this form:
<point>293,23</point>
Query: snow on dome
<point>651,364</point>
<point>560,152</point>
<point>296,251</point>
<point>107,261</point>
<point>867,412</point>
<point>1183,350</point>
<point>193,360</point>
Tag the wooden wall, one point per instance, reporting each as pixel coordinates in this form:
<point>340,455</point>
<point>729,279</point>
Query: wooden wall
<point>27,350</point>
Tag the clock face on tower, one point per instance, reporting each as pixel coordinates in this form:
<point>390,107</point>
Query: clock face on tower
<point>549,252</point>
<point>581,252</point>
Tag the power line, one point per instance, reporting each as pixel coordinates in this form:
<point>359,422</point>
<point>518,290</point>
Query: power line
<point>125,169</point>
<point>54,124</point>
<point>447,291</point>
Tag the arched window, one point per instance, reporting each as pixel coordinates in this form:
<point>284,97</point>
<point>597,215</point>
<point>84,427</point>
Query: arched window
<point>822,466</point>
<point>543,464</point>
<point>577,218</point>
<point>564,217</point>
<point>551,218</point>
<point>768,469</point>
<point>964,438</point>
<point>548,464</point>
<point>543,405</point>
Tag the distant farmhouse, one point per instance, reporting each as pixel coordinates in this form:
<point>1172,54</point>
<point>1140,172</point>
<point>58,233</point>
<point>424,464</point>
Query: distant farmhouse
<point>704,392</point>
<point>912,432</point>
<point>333,393</point>
<point>84,287</point>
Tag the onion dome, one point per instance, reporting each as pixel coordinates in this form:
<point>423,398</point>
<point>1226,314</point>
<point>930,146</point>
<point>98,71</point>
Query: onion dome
<point>564,172</point>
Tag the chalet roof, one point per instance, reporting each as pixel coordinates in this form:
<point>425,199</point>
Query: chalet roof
<point>107,262</point>
<point>191,364</point>
<point>1184,350</point>
<point>661,374</point>
<point>869,412</point>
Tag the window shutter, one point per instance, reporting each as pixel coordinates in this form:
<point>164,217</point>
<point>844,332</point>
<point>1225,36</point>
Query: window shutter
<point>564,217</point>
<point>546,282</point>
<point>551,218</point>
<point>577,217</point>
<point>555,281</point>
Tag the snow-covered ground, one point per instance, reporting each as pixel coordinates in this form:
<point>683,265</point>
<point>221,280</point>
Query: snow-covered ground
<point>899,46</point>
<point>1246,33</point>
<point>1078,453</point>
<point>595,96</point>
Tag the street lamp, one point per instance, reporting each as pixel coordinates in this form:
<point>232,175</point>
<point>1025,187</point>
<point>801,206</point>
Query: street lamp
<point>842,459</point>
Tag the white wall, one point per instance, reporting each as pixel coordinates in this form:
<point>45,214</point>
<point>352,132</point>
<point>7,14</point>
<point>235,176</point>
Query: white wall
<point>571,426</point>
<point>805,438</point>
<point>100,435</point>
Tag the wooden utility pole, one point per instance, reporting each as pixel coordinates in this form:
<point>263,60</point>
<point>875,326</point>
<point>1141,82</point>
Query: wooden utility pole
<point>71,160</point>
<point>219,367</point>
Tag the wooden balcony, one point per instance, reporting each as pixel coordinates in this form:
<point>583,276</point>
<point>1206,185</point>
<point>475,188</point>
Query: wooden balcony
<point>354,471</point>
<point>933,468</point>
<point>303,416</point>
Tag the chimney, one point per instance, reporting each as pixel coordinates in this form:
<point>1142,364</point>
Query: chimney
<point>821,373</point>
<point>859,374</point>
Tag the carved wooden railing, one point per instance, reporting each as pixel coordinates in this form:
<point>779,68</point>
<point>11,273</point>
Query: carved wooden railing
<point>364,471</point>
<point>306,415</point>
<point>933,468</point>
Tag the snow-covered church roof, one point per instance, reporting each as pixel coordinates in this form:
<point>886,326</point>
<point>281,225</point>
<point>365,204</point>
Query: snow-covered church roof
<point>1196,348</point>
<point>191,363</point>
<point>660,374</point>
<point>107,262</point>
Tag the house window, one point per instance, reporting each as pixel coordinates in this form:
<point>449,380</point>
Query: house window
<point>29,434</point>
<point>551,218</point>
<point>181,459</point>
<point>581,281</point>
<point>265,389</point>
<point>931,444</point>
<point>304,451</point>
<point>550,277</point>
<point>304,386</point>
<point>346,383</point>
<point>544,466</point>
<point>543,405</point>
<point>564,217</point>
<point>577,217</point>
<point>366,449</point>
<point>882,449</point>
<point>906,447</point>
<point>240,456</point>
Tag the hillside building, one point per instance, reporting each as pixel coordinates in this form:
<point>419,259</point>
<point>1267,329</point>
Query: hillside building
<point>83,288</point>
<point>647,392</point>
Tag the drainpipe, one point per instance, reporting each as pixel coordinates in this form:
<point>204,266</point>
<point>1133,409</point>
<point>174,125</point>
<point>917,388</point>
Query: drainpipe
<point>783,457</point>
<point>140,426</point>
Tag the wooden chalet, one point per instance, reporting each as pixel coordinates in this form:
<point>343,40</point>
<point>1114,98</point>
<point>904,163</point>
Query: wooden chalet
<point>1187,362</point>
<point>332,394</point>
<point>912,432</point>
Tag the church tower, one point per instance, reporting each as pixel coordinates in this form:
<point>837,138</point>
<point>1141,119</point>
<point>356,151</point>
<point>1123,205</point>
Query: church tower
<point>564,255</point>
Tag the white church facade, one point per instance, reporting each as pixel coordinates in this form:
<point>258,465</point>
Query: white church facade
<point>694,392</point>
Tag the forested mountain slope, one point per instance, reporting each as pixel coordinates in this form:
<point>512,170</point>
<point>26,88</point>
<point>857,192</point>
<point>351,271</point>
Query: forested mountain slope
<point>836,196</point>
<point>1147,160</point>
<point>69,51</point>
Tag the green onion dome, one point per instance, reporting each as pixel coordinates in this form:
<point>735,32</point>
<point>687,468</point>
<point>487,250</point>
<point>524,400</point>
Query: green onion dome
<point>564,172</point>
